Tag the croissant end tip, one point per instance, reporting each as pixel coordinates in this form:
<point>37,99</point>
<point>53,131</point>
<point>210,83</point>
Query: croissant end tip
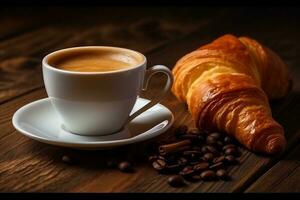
<point>276,145</point>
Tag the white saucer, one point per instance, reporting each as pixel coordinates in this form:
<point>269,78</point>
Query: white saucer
<point>39,121</point>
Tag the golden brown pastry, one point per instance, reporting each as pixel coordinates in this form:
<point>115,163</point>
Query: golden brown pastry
<point>226,85</point>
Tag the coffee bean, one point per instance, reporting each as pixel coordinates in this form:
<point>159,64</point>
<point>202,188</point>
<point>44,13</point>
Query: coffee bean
<point>192,155</point>
<point>187,172</point>
<point>194,162</point>
<point>231,151</point>
<point>217,136</point>
<point>125,166</point>
<point>228,146</point>
<point>181,130</point>
<point>187,168</point>
<point>204,149</point>
<point>218,165</point>
<point>230,159</point>
<point>182,161</point>
<point>208,157</point>
<point>68,159</point>
<point>201,166</point>
<point>161,157</point>
<point>152,158</point>
<point>194,131</point>
<point>227,140</point>
<point>219,159</point>
<point>219,144</point>
<point>222,174</point>
<point>173,168</point>
<point>211,140</point>
<point>176,181</point>
<point>208,175</point>
<point>209,149</point>
<point>159,164</point>
<point>212,149</point>
<point>196,177</point>
<point>187,153</point>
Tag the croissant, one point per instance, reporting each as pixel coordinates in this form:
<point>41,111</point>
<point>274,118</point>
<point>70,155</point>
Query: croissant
<point>226,85</point>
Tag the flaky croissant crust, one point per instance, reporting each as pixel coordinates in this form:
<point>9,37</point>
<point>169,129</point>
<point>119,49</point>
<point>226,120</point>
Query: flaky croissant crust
<point>226,85</point>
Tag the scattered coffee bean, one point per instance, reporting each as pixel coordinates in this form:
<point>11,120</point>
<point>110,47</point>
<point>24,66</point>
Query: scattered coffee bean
<point>216,166</point>
<point>181,130</point>
<point>173,168</point>
<point>211,140</point>
<point>228,146</point>
<point>125,166</point>
<point>212,149</point>
<point>194,162</point>
<point>222,174</point>
<point>208,157</point>
<point>176,181</point>
<point>208,175</point>
<point>204,149</point>
<point>182,161</point>
<point>217,136</point>
<point>192,155</point>
<point>219,159</point>
<point>201,166</point>
<point>187,172</point>
<point>67,159</point>
<point>152,158</point>
<point>187,153</point>
<point>159,164</point>
<point>219,144</point>
<point>230,159</point>
<point>231,151</point>
<point>227,140</point>
<point>196,177</point>
<point>161,157</point>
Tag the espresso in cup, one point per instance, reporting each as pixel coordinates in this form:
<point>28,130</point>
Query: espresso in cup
<point>95,60</point>
<point>94,88</point>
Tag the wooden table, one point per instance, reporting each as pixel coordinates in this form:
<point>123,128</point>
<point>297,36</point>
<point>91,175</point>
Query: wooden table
<point>163,35</point>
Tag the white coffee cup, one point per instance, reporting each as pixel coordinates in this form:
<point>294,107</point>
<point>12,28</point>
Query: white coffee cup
<point>99,103</point>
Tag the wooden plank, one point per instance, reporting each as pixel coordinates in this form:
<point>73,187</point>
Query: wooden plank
<point>20,57</point>
<point>283,177</point>
<point>15,21</point>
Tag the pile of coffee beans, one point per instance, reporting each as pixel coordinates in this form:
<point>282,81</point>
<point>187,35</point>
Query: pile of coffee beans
<point>196,155</point>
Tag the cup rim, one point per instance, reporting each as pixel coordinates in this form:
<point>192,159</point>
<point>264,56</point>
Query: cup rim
<point>46,65</point>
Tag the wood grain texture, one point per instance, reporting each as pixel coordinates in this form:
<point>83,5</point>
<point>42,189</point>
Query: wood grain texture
<point>27,165</point>
<point>283,177</point>
<point>20,22</point>
<point>20,57</point>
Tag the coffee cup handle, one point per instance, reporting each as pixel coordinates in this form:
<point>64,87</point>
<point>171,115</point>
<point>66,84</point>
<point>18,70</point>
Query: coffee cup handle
<point>149,73</point>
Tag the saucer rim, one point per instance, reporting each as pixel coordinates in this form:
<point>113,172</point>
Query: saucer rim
<point>88,144</point>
